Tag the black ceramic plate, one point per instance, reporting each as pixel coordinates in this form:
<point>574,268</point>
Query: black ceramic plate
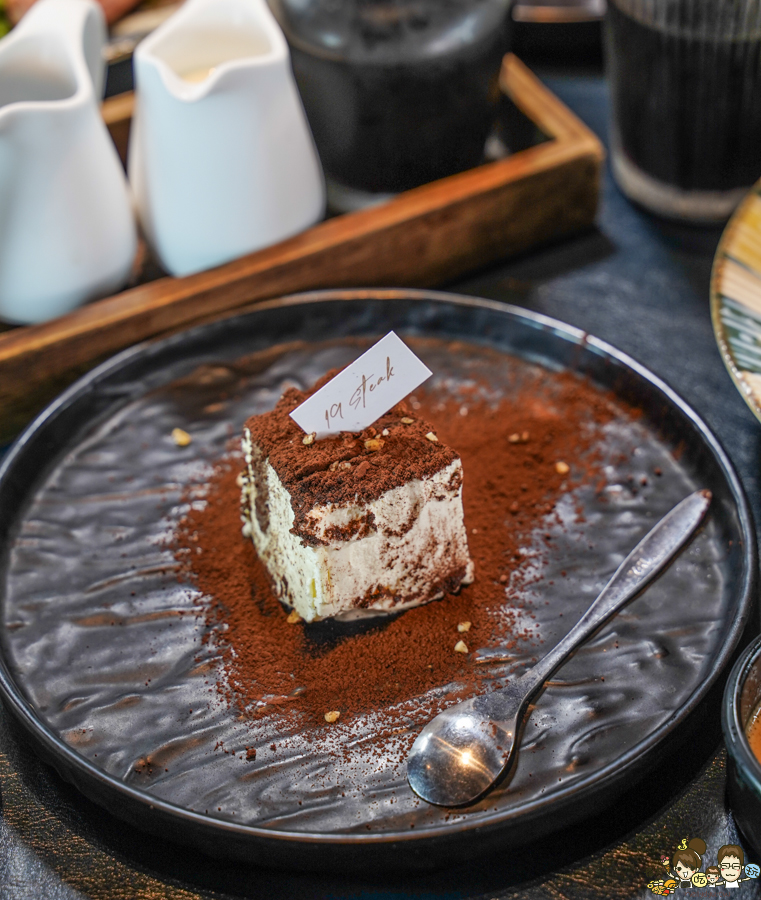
<point>103,671</point>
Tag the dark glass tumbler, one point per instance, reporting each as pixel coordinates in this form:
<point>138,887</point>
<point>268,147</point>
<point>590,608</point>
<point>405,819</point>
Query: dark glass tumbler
<point>397,92</point>
<point>685,79</point>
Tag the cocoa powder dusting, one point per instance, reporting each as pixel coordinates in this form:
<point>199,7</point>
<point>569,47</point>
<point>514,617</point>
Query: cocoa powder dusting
<point>512,481</point>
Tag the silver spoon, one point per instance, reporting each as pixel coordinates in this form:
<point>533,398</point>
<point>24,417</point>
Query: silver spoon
<point>460,753</point>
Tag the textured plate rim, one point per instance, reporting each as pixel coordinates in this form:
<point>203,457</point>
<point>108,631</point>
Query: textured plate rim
<point>55,747</point>
<point>717,299</point>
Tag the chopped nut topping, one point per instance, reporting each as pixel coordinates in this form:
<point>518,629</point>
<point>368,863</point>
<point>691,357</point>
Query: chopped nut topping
<point>406,420</point>
<point>461,647</point>
<point>432,437</point>
<point>241,479</point>
<point>180,437</point>
<point>514,438</point>
<point>309,438</point>
<point>340,464</point>
<point>374,444</point>
<point>293,617</point>
<point>503,579</point>
<point>521,438</point>
<point>385,432</point>
<point>463,627</point>
<point>332,716</point>
<point>562,468</point>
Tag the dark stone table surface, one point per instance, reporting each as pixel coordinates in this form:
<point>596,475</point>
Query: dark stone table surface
<point>640,284</point>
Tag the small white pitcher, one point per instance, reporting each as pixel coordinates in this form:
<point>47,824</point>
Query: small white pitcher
<point>221,158</point>
<point>67,233</point>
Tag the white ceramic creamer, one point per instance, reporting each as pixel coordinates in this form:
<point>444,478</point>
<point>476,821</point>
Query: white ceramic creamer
<point>67,232</point>
<point>221,158</point>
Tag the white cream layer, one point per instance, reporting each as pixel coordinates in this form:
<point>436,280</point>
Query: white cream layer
<point>418,537</point>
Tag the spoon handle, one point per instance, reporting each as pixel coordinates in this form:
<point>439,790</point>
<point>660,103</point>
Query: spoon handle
<point>651,555</point>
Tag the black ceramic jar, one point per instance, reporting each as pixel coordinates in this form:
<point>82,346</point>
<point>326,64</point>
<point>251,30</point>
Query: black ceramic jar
<point>742,698</point>
<point>397,92</point>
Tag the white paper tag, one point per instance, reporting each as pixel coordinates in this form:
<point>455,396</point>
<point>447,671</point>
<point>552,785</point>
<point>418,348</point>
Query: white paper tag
<point>366,389</point>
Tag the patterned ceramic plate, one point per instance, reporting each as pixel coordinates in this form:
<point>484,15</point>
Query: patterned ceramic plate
<point>736,298</point>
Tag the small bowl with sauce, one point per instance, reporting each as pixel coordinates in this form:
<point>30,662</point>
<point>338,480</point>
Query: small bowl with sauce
<point>741,723</point>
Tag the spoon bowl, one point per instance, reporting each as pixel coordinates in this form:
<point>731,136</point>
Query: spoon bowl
<point>472,742</point>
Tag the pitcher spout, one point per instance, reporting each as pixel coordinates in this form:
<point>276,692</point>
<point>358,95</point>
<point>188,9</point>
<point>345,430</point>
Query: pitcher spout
<point>207,39</point>
<point>78,29</point>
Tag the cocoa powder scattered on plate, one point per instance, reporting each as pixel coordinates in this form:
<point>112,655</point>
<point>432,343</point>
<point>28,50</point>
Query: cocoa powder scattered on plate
<point>512,451</point>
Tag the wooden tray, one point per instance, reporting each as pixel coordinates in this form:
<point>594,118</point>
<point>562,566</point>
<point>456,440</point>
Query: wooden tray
<point>421,238</point>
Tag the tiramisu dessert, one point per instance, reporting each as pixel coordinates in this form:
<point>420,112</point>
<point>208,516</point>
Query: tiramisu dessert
<point>367,521</point>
